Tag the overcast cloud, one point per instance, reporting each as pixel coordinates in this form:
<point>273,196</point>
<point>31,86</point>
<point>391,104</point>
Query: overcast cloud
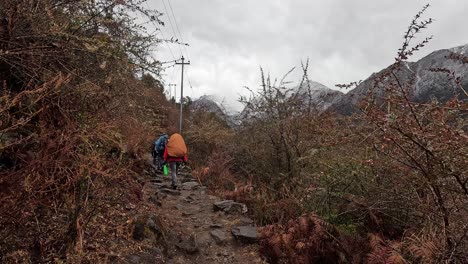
<point>345,40</point>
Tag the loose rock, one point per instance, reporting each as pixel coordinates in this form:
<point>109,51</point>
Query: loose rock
<point>246,234</point>
<point>191,185</point>
<point>189,199</point>
<point>161,195</point>
<point>154,199</point>
<point>190,246</point>
<point>170,191</point>
<point>214,225</point>
<point>230,207</point>
<point>218,236</point>
<point>187,214</point>
<point>156,180</point>
<point>245,221</point>
<point>204,240</point>
<point>146,227</point>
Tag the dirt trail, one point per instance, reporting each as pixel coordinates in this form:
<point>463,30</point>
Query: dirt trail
<point>194,232</point>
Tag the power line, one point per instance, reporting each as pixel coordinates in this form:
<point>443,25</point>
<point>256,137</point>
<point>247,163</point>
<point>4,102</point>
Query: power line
<point>170,22</point>
<point>170,50</point>
<point>178,30</point>
<point>157,27</point>
<point>181,38</point>
<point>188,79</point>
<point>178,44</point>
<point>168,67</point>
<point>166,62</point>
<point>161,32</point>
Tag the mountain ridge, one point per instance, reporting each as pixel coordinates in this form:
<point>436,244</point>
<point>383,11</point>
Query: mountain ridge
<point>429,84</point>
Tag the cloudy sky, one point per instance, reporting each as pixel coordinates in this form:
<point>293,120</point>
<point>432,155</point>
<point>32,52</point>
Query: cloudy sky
<point>345,40</point>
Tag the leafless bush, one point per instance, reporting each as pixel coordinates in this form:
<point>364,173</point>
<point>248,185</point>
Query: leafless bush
<point>424,140</point>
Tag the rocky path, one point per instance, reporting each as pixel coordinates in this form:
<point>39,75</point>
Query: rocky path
<point>195,227</point>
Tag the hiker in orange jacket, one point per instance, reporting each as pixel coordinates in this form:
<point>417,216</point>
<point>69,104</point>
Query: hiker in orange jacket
<point>175,153</point>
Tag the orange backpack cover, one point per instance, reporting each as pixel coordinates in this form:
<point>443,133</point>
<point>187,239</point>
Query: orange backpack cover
<point>176,146</point>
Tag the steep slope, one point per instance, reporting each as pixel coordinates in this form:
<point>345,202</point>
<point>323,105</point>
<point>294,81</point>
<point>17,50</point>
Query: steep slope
<point>431,84</point>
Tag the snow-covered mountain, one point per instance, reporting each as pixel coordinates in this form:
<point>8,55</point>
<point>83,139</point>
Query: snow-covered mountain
<point>319,95</point>
<point>208,104</point>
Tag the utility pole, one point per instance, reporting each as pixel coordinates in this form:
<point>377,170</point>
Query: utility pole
<point>170,91</point>
<point>182,91</point>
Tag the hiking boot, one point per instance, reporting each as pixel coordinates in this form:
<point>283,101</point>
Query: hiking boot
<point>174,187</point>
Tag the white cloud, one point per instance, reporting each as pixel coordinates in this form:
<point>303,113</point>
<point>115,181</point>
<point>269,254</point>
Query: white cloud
<point>345,40</point>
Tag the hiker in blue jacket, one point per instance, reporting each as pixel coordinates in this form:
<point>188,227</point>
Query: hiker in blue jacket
<point>158,151</point>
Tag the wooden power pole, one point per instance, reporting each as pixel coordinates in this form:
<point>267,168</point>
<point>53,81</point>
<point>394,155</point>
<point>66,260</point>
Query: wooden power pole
<point>181,91</point>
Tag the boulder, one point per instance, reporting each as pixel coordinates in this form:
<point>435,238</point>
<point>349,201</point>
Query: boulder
<point>147,227</point>
<point>246,234</point>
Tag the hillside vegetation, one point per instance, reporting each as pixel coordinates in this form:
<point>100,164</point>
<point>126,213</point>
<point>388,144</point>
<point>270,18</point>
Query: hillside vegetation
<point>75,123</point>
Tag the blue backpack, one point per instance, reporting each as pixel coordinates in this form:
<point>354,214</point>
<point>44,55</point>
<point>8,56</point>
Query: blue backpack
<point>160,144</point>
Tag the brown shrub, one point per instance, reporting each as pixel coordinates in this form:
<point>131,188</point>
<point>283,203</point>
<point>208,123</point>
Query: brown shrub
<point>307,239</point>
<point>74,126</point>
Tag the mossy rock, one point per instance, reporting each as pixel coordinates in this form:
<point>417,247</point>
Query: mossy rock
<point>148,227</point>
